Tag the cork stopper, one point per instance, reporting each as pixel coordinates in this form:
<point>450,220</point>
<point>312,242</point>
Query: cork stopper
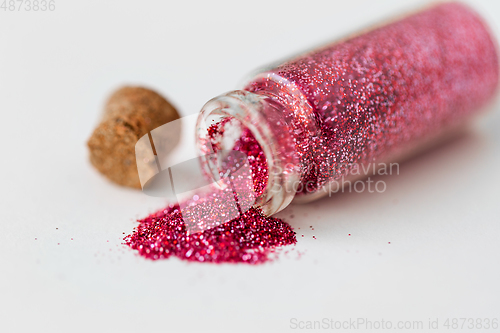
<point>130,113</point>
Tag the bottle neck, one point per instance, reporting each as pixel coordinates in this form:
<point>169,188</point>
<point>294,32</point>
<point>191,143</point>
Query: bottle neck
<point>273,123</point>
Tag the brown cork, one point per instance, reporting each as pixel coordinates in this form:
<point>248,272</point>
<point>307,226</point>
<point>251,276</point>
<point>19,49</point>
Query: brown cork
<point>130,113</point>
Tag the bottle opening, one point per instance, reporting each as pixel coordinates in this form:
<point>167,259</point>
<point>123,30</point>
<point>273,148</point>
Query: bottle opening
<point>248,123</point>
<point>234,144</point>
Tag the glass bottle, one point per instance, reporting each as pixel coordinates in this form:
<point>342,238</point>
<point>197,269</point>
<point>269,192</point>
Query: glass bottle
<point>374,98</point>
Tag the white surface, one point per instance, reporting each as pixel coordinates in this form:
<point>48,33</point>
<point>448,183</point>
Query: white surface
<point>440,215</point>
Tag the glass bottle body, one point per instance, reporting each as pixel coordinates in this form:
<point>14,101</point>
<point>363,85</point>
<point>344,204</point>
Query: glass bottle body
<point>363,102</point>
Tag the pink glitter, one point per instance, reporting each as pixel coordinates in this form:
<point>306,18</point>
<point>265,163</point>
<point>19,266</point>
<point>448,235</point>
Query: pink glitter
<point>371,98</point>
<point>248,145</point>
<point>377,96</point>
<point>250,238</point>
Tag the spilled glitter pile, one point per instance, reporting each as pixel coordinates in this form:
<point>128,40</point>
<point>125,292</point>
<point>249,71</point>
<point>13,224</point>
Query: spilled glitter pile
<point>248,238</point>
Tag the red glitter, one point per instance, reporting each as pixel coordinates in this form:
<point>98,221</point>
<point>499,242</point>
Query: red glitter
<point>377,96</point>
<point>371,98</point>
<point>250,238</point>
<point>247,144</point>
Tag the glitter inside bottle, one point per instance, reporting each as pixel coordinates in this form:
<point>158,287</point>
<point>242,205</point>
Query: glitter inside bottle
<point>376,97</point>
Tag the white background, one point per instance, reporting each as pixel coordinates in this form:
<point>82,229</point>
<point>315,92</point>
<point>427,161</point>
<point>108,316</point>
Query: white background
<point>441,215</point>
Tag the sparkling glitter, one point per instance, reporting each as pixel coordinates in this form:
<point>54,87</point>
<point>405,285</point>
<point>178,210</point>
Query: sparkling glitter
<point>382,93</point>
<point>247,144</point>
<point>365,99</point>
<point>250,238</point>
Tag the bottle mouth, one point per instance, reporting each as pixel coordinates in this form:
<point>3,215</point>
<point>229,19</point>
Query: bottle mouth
<point>251,124</point>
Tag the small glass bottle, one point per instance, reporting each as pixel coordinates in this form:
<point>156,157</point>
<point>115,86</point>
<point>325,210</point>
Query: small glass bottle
<point>373,98</point>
